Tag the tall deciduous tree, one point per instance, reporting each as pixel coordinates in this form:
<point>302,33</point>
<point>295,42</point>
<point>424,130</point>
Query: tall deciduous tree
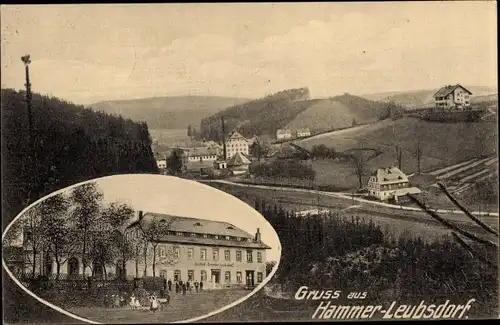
<point>87,199</point>
<point>175,162</point>
<point>32,234</point>
<point>358,164</point>
<point>153,233</point>
<point>59,238</point>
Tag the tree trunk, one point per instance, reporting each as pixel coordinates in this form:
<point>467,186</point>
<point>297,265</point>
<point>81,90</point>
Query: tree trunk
<point>145,260</point>
<point>136,261</point>
<point>34,263</point>
<point>360,181</point>
<point>58,269</point>
<point>154,261</point>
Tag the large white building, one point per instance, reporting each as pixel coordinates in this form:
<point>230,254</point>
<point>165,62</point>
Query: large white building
<point>450,97</point>
<point>282,134</point>
<point>390,184</point>
<point>236,143</point>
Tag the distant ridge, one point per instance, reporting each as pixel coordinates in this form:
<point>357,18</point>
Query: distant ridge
<point>174,112</point>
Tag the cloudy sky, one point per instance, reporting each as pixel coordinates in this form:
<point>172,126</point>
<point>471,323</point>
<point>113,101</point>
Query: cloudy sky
<point>87,53</point>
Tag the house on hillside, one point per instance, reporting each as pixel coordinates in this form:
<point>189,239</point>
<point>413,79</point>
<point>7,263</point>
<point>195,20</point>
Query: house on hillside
<point>283,134</point>
<point>236,143</point>
<point>452,97</point>
<point>214,146</point>
<point>301,133</point>
<point>390,184</point>
<point>199,160</point>
<point>238,164</point>
<point>161,163</point>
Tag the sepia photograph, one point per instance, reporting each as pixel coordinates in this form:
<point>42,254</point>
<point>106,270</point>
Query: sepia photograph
<point>134,248</point>
<point>248,162</point>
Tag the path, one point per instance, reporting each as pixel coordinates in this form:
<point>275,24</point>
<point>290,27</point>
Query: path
<point>346,196</point>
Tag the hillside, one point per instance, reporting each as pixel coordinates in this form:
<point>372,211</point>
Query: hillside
<point>425,97</point>
<point>441,143</point>
<point>266,115</point>
<point>262,116</point>
<point>72,144</point>
<point>168,112</point>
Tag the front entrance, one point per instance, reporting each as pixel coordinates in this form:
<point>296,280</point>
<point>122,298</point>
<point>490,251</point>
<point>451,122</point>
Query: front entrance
<point>216,276</point>
<point>73,267</point>
<point>48,265</point>
<point>250,278</point>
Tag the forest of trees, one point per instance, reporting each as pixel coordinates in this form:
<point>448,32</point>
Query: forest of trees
<point>348,253</point>
<point>262,116</point>
<point>70,144</point>
<point>283,168</point>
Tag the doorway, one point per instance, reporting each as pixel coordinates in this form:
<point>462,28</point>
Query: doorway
<point>250,280</point>
<point>216,276</point>
<point>73,266</point>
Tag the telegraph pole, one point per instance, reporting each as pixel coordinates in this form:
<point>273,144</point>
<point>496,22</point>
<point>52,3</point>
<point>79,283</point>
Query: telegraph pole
<point>27,60</point>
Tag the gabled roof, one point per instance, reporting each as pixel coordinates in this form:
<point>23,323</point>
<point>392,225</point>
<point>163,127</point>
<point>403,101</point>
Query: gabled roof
<point>238,160</point>
<point>449,89</point>
<point>200,226</point>
<point>390,175</point>
<point>235,135</point>
<point>283,131</point>
<point>200,151</point>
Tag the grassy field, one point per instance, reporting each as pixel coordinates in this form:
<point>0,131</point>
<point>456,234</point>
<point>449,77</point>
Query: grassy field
<point>181,308</point>
<point>411,223</point>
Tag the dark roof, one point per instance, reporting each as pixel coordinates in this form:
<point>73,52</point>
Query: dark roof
<point>197,165</point>
<point>212,242</point>
<point>448,89</point>
<point>238,160</point>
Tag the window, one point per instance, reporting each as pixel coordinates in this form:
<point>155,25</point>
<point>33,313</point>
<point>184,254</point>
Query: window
<point>249,256</point>
<point>177,252</point>
<point>193,234</point>
<point>203,274</point>
<point>259,257</point>
<point>228,237</point>
<point>190,275</point>
<point>216,236</point>
<point>259,277</point>
<point>205,236</point>
<point>227,276</point>
<point>177,275</point>
<point>227,255</point>
<point>162,252</point>
<point>190,253</point>
<point>203,254</point>
<point>238,256</point>
<point>215,254</point>
<point>179,233</point>
<point>238,277</point>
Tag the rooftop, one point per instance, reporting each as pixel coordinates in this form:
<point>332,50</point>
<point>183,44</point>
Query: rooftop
<point>199,226</point>
<point>390,175</point>
<point>235,135</point>
<point>444,91</point>
<point>238,160</point>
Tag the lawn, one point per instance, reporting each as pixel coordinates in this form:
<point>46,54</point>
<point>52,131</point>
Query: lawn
<point>181,308</point>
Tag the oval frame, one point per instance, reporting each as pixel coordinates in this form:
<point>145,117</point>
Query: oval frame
<point>67,313</point>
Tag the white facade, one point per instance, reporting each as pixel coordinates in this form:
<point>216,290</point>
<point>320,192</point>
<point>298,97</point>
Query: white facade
<point>452,97</point>
<point>162,163</point>
<point>236,143</point>
<point>283,134</point>
<point>388,183</point>
<point>303,133</point>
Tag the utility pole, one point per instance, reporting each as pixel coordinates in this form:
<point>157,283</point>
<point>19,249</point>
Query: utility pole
<point>27,60</point>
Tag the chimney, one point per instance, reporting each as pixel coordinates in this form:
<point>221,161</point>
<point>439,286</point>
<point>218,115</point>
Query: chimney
<point>224,138</point>
<point>257,235</point>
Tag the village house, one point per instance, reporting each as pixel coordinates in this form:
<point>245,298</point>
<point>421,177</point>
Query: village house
<point>452,97</point>
<point>213,146</point>
<point>236,143</point>
<point>193,249</point>
<point>238,164</point>
<point>390,184</point>
<point>161,163</point>
<point>282,134</point>
<point>303,133</point>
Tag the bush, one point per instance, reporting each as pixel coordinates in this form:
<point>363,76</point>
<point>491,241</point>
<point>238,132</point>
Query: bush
<point>153,283</point>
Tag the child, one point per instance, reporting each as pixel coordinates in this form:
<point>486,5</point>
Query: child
<point>132,302</point>
<point>154,303</point>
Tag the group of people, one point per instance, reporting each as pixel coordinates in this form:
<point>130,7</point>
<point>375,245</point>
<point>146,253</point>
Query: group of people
<point>183,287</point>
<point>153,303</point>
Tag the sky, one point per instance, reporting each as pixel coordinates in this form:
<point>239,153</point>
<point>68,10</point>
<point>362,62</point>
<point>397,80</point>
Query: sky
<point>91,52</point>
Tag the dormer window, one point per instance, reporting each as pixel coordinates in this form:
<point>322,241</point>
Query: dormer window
<point>197,224</point>
<point>179,233</point>
<point>228,237</point>
<point>205,236</point>
<point>230,227</point>
<point>238,238</point>
<point>385,179</point>
<point>193,234</point>
<point>216,236</point>
<point>399,177</point>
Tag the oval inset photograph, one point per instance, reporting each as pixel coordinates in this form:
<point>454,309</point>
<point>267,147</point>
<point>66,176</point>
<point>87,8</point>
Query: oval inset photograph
<point>141,249</point>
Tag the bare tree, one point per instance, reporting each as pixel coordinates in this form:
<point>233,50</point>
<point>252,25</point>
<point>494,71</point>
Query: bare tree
<point>359,166</point>
<point>32,234</point>
<point>418,154</point>
<point>153,233</point>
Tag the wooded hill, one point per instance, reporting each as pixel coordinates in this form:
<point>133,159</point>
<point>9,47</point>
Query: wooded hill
<point>168,112</point>
<point>293,108</point>
<point>71,144</point>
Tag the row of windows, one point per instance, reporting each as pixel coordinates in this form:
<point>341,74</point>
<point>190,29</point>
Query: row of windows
<point>204,276</point>
<point>215,254</point>
<point>136,234</point>
<point>202,157</point>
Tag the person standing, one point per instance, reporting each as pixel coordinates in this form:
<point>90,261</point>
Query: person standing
<point>196,286</point>
<point>201,286</point>
<point>188,286</point>
<point>184,289</point>
<point>176,287</point>
<point>169,283</point>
